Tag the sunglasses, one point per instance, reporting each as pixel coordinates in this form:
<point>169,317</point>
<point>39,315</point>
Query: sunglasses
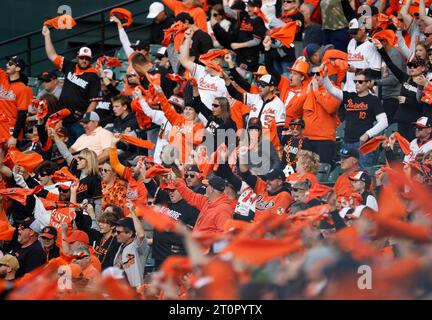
<point>103,170</point>
<point>216,15</point>
<point>118,231</point>
<point>84,58</point>
<point>170,190</point>
<point>81,257</point>
<point>315,74</point>
<point>297,189</point>
<point>427,34</point>
<point>215,105</point>
<point>262,84</point>
<point>420,128</point>
<point>44,174</point>
<point>190,175</point>
<point>22,227</point>
<point>360,81</point>
<point>289,1</point>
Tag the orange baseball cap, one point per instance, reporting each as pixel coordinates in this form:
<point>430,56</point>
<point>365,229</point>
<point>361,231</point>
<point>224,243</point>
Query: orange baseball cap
<point>77,235</point>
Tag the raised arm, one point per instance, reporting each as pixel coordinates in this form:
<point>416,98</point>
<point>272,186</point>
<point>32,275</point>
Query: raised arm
<point>422,13</point>
<point>124,39</point>
<point>398,73</point>
<point>184,57</point>
<point>114,160</point>
<point>236,76</point>
<point>407,18</point>
<point>334,91</point>
<point>140,233</point>
<point>49,48</point>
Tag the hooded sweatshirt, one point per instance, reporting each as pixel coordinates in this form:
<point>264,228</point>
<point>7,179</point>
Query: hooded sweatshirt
<point>212,216</point>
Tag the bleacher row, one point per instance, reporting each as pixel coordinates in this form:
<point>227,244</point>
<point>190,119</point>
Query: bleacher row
<point>327,174</point>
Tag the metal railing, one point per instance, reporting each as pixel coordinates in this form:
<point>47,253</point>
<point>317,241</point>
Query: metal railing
<point>102,26</point>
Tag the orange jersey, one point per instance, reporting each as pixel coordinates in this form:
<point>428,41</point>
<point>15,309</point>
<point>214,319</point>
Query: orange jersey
<point>185,135</point>
<point>270,204</point>
<point>14,97</point>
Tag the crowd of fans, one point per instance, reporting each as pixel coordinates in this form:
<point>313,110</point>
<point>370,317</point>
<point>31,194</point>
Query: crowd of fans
<point>268,150</point>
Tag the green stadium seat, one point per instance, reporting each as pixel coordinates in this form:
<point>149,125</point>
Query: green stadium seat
<point>390,129</point>
<point>33,83</point>
<point>121,54</point>
<point>323,172</point>
<point>334,175</point>
<point>340,131</point>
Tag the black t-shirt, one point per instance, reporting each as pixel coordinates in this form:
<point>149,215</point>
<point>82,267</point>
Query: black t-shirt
<point>89,187</point>
<point>359,114</point>
<point>106,250</point>
<point>168,243</point>
<point>157,30</point>
<point>250,28</point>
<point>54,252</point>
<point>29,258</point>
<point>78,90</point>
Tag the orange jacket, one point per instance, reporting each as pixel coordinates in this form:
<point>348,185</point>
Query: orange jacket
<point>270,204</point>
<point>185,135</point>
<point>212,216</point>
<point>343,185</point>
<point>319,112</point>
<point>197,13</point>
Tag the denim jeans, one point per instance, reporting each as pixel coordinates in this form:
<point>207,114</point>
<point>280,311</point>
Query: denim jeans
<point>281,67</point>
<point>338,38</point>
<point>366,160</point>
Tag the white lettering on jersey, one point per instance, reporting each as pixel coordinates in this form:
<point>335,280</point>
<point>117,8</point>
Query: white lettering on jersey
<point>79,82</point>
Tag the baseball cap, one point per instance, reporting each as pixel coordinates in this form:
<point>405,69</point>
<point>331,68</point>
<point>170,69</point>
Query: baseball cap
<point>177,101</point>
<point>162,52</point>
<point>424,122</point>
<point>155,9</point>
<point>77,235</point>
<point>85,52</point>
<point>217,183</point>
<point>127,223</point>
<point>10,261</point>
<point>266,80</point>
<point>49,232</point>
<point>47,76</point>
<point>193,168</point>
<point>17,61</point>
<point>27,222</point>
<point>254,123</point>
<point>108,73</point>
<point>297,122</point>
<point>349,152</point>
<point>274,174</point>
<point>354,25</point>
<point>254,3</point>
<point>361,176</point>
<point>90,116</point>
<point>140,45</point>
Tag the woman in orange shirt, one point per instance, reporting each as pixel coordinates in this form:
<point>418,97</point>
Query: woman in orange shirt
<point>193,7</point>
<point>187,130</point>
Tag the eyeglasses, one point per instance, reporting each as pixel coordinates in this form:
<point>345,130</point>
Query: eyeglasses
<point>360,81</point>
<point>190,175</point>
<point>85,58</point>
<point>103,170</point>
<point>215,105</point>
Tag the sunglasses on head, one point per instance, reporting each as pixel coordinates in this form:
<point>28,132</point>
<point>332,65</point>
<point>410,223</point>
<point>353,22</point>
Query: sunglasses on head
<point>85,58</point>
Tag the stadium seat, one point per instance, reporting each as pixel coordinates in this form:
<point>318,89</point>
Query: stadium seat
<point>323,172</point>
<point>154,49</point>
<point>340,131</point>
<point>33,83</point>
<point>121,54</point>
<point>334,175</point>
<point>390,129</point>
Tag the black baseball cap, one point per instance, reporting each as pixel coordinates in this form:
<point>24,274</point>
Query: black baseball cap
<point>193,168</point>
<point>254,123</point>
<point>297,122</point>
<point>275,174</point>
<point>26,222</point>
<point>140,45</point>
<point>349,152</point>
<point>47,76</point>
<point>127,223</point>
<point>49,232</point>
<point>17,61</point>
<point>254,3</point>
<point>217,183</point>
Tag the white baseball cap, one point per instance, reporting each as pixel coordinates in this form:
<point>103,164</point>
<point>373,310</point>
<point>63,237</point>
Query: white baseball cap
<point>162,51</point>
<point>155,9</point>
<point>85,52</point>
<point>423,122</point>
<point>354,24</point>
<point>90,116</point>
<point>108,73</point>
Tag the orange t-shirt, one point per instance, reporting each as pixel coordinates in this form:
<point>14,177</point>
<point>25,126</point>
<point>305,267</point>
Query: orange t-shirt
<point>14,97</point>
<point>270,204</point>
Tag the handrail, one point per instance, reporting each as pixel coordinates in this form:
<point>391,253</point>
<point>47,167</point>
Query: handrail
<point>101,25</point>
<point>88,15</point>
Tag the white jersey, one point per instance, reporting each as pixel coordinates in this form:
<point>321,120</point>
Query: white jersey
<point>363,56</point>
<point>416,149</point>
<point>209,87</point>
<point>266,111</point>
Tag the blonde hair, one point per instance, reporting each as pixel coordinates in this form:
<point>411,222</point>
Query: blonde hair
<point>311,161</point>
<point>92,167</point>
